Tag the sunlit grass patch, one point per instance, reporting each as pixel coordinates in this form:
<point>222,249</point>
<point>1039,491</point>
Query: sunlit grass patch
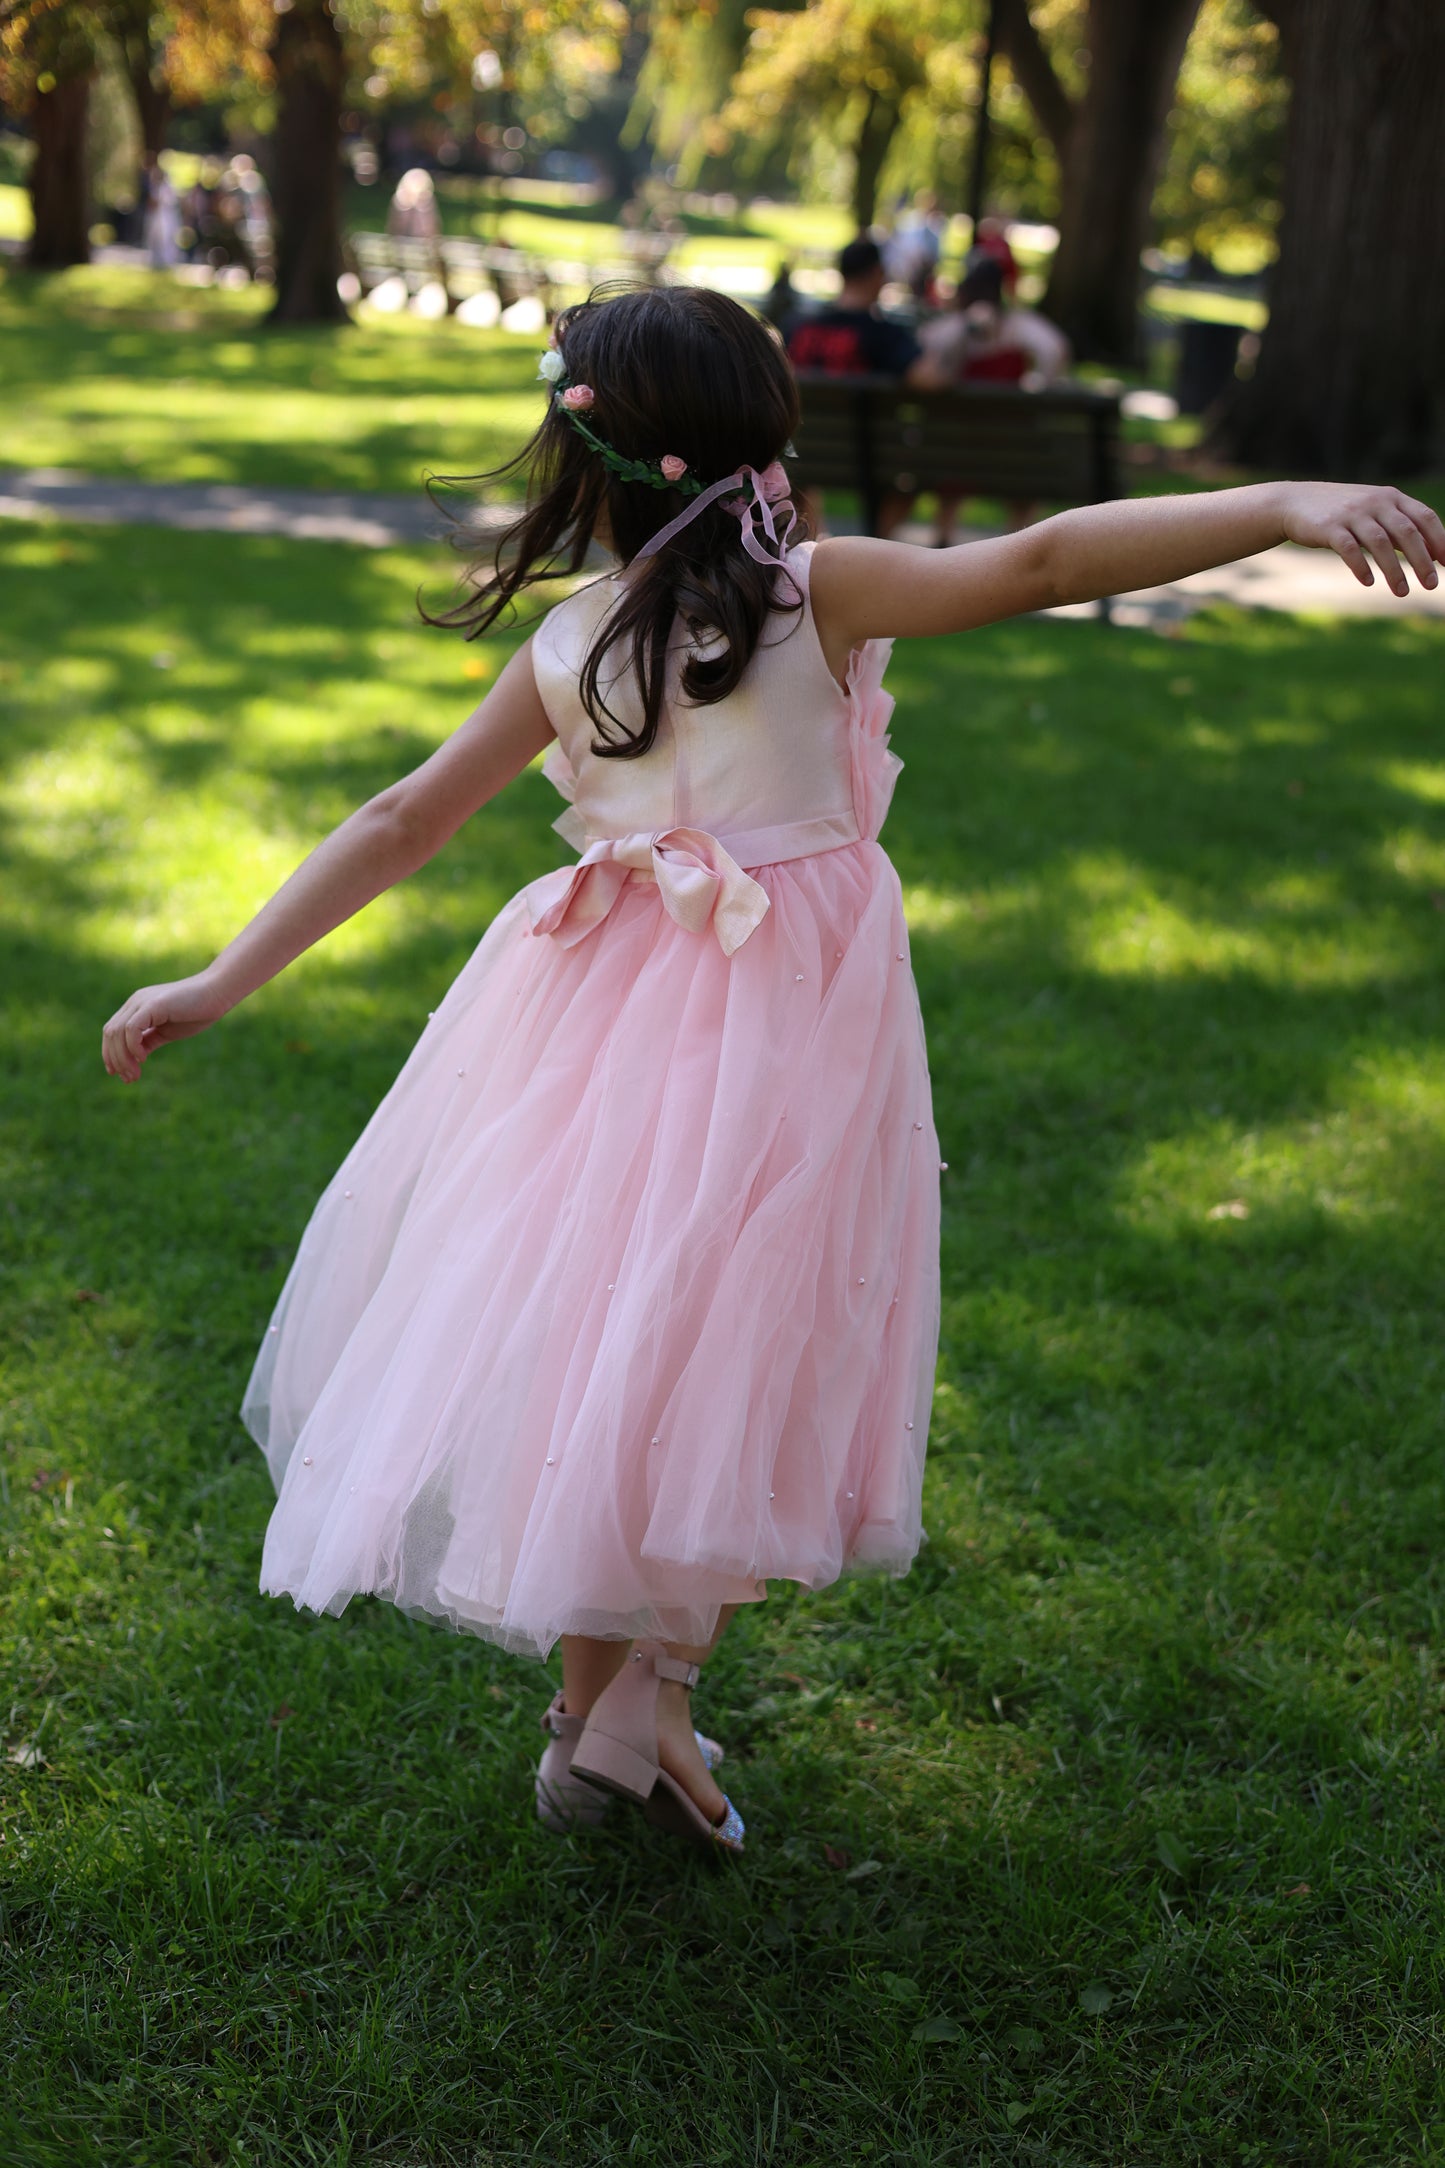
<point>123,373</point>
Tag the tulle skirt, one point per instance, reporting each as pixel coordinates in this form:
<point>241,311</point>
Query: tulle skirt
<point>627,1297</point>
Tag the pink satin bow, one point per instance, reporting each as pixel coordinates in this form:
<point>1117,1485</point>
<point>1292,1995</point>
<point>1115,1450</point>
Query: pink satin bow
<point>768,488</point>
<point>699,883</point>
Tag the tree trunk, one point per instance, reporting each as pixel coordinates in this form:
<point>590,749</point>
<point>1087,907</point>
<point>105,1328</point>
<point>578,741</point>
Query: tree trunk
<point>153,106</point>
<point>1114,148</point>
<point>310,69</point>
<point>880,121</point>
<point>59,184</point>
<point>1350,380</point>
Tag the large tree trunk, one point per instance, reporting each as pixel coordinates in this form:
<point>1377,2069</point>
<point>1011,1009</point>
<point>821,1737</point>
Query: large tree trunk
<point>310,70</point>
<point>59,184</point>
<point>1110,168</point>
<point>1350,380</point>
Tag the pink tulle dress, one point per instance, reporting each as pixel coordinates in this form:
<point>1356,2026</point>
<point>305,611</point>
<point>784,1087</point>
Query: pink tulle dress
<point>626,1299</point>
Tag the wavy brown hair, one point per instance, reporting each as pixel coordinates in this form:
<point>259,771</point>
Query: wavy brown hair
<point>675,369</point>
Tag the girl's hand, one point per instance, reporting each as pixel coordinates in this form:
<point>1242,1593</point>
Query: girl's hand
<point>155,1016</point>
<point>1353,517</point>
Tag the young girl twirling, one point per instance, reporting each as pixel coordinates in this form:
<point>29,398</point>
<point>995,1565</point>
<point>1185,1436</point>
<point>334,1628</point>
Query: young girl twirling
<point>626,1300</point>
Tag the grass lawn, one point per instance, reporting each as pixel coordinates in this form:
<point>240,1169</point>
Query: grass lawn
<point>123,372</point>
<point>1111,1836</point>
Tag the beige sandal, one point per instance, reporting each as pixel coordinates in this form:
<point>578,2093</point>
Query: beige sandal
<point>618,1751</point>
<point>564,1805</point>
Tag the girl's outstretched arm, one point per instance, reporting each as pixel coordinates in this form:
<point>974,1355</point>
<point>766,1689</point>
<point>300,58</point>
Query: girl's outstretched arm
<point>388,838</point>
<point>864,589</point>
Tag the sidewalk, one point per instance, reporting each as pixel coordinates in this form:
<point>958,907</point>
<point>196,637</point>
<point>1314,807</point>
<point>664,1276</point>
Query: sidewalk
<point>1309,582</point>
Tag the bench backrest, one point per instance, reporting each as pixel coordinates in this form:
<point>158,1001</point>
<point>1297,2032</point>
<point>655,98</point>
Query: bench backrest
<point>874,435</point>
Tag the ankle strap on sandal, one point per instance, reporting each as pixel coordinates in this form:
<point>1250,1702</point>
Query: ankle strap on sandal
<point>672,1667</point>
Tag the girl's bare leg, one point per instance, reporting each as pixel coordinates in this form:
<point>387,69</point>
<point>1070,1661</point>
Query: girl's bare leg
<point>588,1667</point>
<point>677,1748</point>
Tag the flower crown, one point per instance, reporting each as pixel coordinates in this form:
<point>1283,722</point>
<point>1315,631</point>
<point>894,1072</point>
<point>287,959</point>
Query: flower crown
<point>668,472</point>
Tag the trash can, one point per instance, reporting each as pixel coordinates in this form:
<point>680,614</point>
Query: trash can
<point>1205,367</point>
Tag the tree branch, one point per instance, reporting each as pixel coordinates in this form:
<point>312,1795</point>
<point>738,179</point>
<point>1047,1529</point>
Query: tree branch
<point>1033,71</point>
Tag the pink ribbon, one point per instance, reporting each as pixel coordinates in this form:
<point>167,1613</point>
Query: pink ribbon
<point>769,488</point>
<point>699,883</point>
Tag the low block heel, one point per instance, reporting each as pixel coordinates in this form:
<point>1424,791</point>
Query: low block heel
<point>613,1767</point>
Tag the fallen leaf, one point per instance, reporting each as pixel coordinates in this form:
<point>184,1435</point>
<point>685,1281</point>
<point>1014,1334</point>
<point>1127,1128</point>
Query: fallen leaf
<point>835,1855</point>
<point>26,1756</point>
<point>864,1868</point>
<point>297,1046</point>
<point>281,1715</point>
<point>790,1678</point>
<point>88,1294</point>
<point>1173,1852</point>
<point>864,1723</point>
<point>1232,1208</point>
<point>1301,1889</point>
<point>935,2030</point>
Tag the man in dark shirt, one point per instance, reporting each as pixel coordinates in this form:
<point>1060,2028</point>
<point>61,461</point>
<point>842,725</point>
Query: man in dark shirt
<point>851,338</point>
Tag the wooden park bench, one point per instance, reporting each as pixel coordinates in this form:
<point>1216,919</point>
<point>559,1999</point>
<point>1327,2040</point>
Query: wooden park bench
<point>872,435</point>
<point>381,256</point>
<point>463,267</point>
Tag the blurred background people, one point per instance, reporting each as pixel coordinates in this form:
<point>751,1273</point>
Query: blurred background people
<point>161,218</point>
<point>992,241</point>
<point>982,338</point>
<point>850,337</point>
<point>912,250</point>
<point>412,214</point>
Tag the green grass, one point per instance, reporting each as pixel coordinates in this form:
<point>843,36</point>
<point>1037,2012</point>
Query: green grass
<point>14,212</point>
<point>124,372</point>
<point>1112,1836</point>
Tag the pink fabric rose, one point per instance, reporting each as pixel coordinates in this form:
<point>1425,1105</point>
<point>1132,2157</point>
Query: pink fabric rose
<point>774,482</point>
<point>578,397</point>
<point>673,468</point>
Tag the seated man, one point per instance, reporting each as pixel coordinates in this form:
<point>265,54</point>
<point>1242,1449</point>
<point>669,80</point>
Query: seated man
<point>850,338</point>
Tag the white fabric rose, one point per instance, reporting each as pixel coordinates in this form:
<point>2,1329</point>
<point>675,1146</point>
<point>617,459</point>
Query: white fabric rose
<point>552,367</point>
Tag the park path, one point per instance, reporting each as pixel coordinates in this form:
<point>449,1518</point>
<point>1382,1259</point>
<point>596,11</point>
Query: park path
<point>1309,582</point>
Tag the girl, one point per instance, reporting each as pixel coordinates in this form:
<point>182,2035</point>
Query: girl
<point>627,1297</point>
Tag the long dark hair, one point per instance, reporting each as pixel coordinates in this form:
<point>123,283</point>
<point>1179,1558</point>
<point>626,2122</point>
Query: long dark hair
<point>675,369</point>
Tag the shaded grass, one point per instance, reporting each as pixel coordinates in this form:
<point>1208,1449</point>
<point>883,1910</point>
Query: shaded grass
<point>1110,1836</point>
